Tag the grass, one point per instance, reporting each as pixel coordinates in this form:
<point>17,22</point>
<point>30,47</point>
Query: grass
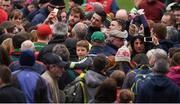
<point>126,4</point>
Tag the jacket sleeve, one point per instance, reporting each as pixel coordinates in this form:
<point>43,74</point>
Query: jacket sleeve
<point>39,18</point>
<point>114,6</point>
<point>42,93</point>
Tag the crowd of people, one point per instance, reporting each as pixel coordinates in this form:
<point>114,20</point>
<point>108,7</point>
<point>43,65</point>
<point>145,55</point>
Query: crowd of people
<point>118,56</point>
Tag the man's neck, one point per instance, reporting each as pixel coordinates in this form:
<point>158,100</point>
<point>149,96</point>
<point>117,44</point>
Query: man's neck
<point>42,41</point>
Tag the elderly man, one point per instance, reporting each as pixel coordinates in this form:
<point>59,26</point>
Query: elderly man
<point>114,42</point>
<point>55,70</point>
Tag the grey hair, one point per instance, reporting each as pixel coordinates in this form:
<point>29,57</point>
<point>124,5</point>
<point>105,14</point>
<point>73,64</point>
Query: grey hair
<point>154,54</point>
<point>61,50</point>
<point>80,30</point>
<point>172,34</point>
<point>161,66</point>
<point>60,28</point>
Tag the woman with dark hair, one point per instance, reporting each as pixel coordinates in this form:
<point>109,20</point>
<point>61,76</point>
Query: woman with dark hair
<point>106,92</point>
<point>137,45</point>
<point>4,58</point>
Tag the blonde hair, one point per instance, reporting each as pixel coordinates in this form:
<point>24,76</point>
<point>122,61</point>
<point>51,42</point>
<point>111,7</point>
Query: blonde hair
<point>133,29</point>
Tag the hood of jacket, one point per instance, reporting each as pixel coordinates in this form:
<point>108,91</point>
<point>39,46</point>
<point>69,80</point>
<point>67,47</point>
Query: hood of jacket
<point>160,82</point>
<point>94,79</point>
<point>165,44</point>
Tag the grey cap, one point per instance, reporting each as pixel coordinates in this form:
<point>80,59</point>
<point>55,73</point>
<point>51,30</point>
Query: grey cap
<point>118,34</point>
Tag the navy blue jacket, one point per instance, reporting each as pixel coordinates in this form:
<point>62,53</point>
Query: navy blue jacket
<point>165,45</point>
<point>96,50</point>
<point>40,16</point>
<point>159,89</point>
<point>110,49</point>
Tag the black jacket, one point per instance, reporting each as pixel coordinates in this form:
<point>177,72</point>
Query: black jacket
<point>10,94</point>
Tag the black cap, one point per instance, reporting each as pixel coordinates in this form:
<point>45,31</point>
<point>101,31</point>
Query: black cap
<point>59,3</point>
<point>176,6</point>
<point>52,58</point>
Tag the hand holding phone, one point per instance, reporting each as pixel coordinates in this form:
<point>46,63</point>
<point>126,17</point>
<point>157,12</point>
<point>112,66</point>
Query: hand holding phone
<point>147,39</point>
<point>55,11</point>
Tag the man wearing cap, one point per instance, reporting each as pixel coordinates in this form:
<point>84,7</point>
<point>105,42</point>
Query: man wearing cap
<point>30,82</point>
<point>98,41</point>
<point>55,66</point>
<point>44,34</point>
<point>114,42</point>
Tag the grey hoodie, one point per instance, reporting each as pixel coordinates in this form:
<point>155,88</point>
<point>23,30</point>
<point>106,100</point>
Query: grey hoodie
<point>93,80</point>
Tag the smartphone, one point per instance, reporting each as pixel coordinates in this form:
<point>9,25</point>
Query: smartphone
<point>55,11</point>
<point>147,39</point>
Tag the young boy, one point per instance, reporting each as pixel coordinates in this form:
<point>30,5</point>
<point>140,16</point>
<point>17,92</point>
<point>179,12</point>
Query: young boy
<point>82,51</point>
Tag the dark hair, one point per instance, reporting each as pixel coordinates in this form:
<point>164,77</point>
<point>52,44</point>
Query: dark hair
<point>122,23</point>
<point>141,59</point>
<point>106,92</point>
<point>119,77</point>
<point>102,14</point>
<point>4,58</point>
<point>99,63</point>
<point>19,38</point>
<point>5,74</point>
<point>172,51</point>
<point>160,30</point>
<point>79,2</point>
<point>4,37</point>
<point>134,38</point>
<point>61,50</point>
<point>77,9</point>
<point>175,61</point>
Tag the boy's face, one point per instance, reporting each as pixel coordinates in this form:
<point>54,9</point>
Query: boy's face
<point>81,52</point>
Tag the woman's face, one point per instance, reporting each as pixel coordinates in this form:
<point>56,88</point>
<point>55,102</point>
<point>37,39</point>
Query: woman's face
<point>114,26</point>
<point>138,46</point>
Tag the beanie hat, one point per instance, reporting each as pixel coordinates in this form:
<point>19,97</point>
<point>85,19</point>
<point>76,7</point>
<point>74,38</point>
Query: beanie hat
<point>27,58</point>
<point>123,54</point>
<point>98,36</point>
<point>44,29</point>
<point>3,16</point>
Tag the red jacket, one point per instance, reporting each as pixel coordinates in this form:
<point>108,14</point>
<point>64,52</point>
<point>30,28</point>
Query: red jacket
<point>153,11</point>
<point>174,74</point>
